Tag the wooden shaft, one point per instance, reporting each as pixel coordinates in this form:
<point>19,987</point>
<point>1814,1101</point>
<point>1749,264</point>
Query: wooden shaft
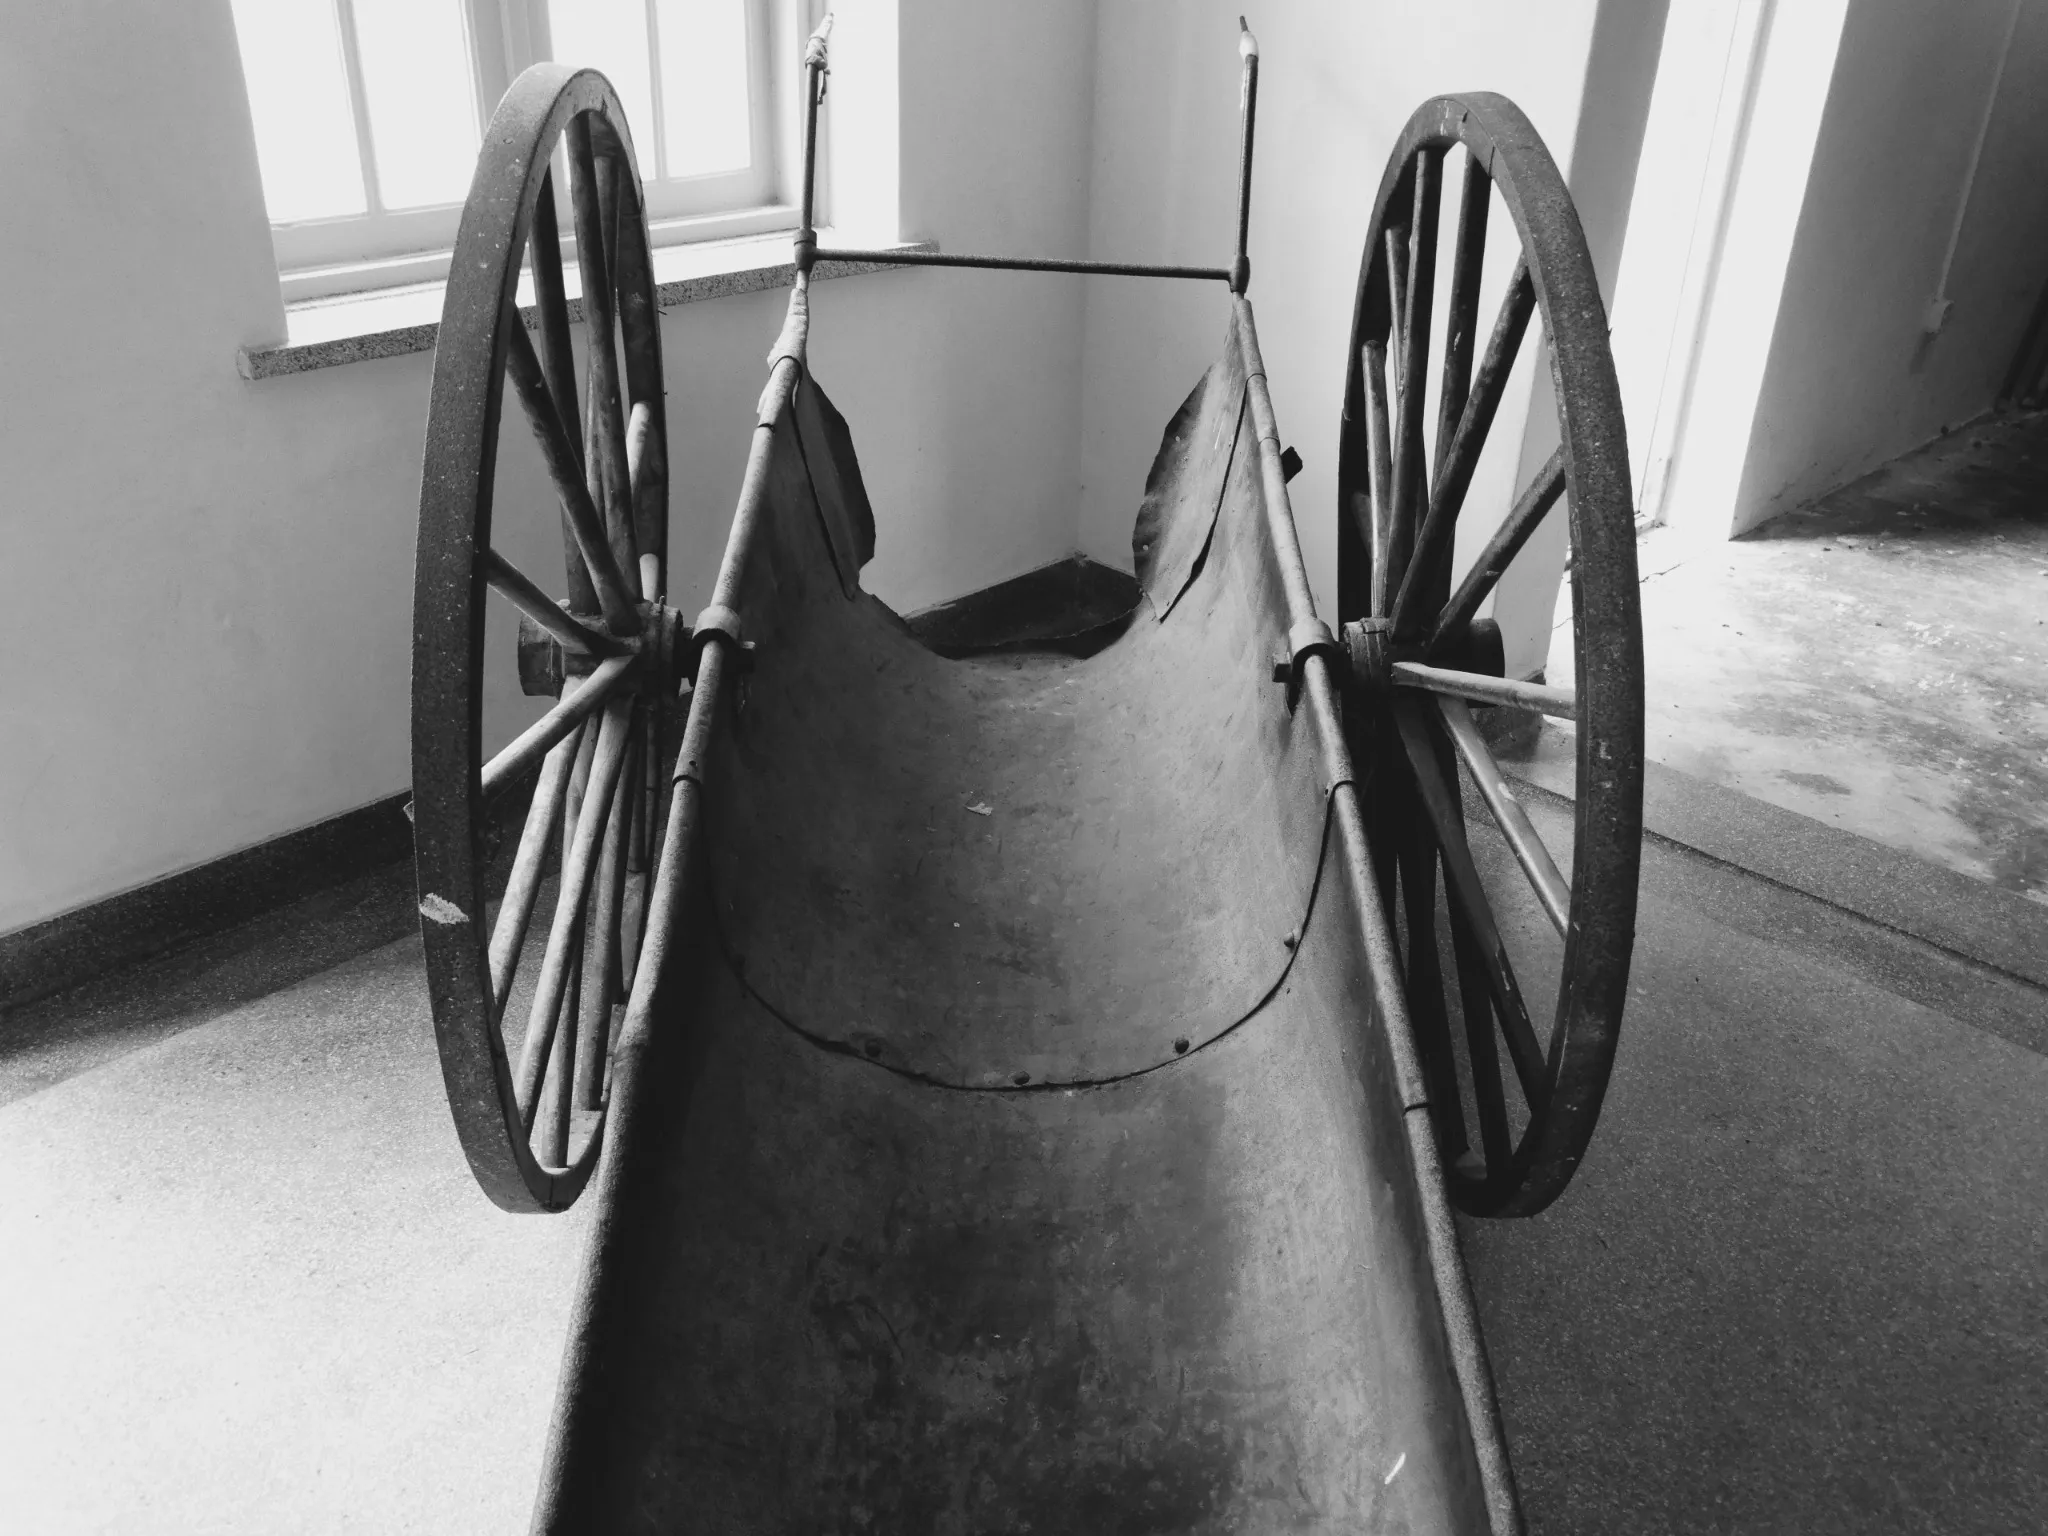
<point>515,910</point>
<point>1280,527</point>
<point>526,595</point>
<point>1507,541</point>
<point>1522,838</point>
<point>754,483</point>
<point>551,309</point>
<point>570,710</point>
<point>1480,689</point>
<point>679,843</point>
<point>577,870</point>
<point>586,526</point>
<point>1454,469</point>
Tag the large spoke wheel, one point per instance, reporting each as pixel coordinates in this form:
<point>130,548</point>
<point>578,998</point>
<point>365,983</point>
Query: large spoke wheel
<point>1511,1132</point>
<point>528,979</point>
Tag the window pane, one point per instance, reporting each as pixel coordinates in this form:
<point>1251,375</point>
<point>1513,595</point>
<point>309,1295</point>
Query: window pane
<point>610,36</point>
<point>705,117</point>
<point>417,81</point>
<point>298,97</point>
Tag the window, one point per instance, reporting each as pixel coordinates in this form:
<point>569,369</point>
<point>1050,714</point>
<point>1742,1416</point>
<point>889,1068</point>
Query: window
<point>368,115</point>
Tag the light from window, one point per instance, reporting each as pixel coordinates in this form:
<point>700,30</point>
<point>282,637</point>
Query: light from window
<point>419,99</point>
<point>610,36</point>
<point>369,115</point>
<point>298,95</point>
<point>704,74</point>
<point>705,122</point>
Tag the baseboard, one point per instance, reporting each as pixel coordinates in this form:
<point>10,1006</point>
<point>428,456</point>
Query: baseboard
<point>1073,605</point>
<point>89,941</point>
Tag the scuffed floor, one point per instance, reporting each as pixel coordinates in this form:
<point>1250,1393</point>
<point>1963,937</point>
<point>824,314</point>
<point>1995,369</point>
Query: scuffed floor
<point>1798,1285</point>
<point>1877,661</point>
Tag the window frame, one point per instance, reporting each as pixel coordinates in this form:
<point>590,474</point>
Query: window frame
<point>382,248</point>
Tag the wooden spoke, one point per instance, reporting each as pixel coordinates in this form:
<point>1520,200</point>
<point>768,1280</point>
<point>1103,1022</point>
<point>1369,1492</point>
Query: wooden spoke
<point>1481,689</point>
<point>1397,306</point>
<point>1379,468</point>
<point>1455,467</point>
<point>1410,484</point>
<point>526,595</point>
<point>1475,996</point>
<point>649,478</point>
<point>578,869</point>
<point>1417,865</point>
<point>646,470</point>
<point>1461,877</point>
<point>570,711</point>
<point>550,1128</point>
<point>551,304</point>
<point>640,841</point>
<point>604,440</point>
<point>1507,541</point>
<point>601,958</point>
<point>586,526</point>
<point>515,910</point>
<point>1475,201</point>
<point>1496,1137</point>
<point>1551,890</point>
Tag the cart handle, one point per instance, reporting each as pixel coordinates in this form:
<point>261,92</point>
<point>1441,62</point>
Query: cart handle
<point>1238,274</point>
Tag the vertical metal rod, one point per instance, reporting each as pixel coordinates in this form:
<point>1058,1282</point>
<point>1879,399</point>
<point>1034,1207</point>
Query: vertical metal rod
<point>1248,107</point>
<point>815,70</point>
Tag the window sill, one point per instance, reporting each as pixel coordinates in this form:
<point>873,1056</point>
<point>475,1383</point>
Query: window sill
<point>391,322</point>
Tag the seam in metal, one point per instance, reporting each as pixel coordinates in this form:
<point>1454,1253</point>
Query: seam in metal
<point>835,1047</point>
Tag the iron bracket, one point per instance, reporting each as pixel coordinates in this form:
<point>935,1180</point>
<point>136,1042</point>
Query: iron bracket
<point>1304,640</point>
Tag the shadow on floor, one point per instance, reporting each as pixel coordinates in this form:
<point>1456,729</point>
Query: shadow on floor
<point>1875,660</point>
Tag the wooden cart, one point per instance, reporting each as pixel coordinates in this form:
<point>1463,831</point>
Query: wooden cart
<point>1037,1087</point>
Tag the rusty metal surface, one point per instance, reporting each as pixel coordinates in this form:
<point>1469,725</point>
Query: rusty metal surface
<point>1185,486</point>
<point>961,871</point>
<point>853,1274</point>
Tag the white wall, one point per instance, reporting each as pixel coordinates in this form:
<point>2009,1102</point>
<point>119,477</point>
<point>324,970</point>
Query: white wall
<point>1816,381</point>
<point>210,580</point>
<point>1338,80</point>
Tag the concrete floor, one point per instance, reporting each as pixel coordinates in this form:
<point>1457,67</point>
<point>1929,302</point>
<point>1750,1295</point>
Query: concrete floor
<point>248,1282</point>
<point>1800,1285</point>
<point>1876,660</point>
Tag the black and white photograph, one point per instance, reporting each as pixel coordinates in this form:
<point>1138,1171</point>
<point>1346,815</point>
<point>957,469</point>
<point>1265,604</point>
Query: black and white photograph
<point>1024,767</point>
